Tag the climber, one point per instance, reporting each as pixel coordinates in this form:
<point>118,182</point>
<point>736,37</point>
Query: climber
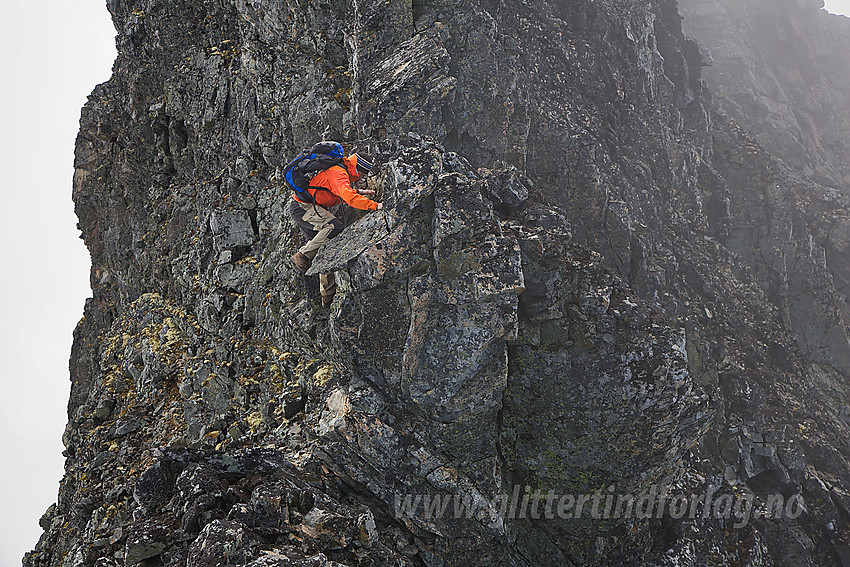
<point>318,221</point>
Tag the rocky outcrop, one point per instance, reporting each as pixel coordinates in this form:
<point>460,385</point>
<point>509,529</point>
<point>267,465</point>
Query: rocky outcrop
<point>449,351</point>
<point>781,70</point>
<point>588,278</point>
<point>777,109</point>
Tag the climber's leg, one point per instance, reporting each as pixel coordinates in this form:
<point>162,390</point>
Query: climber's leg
<point>317,223</point>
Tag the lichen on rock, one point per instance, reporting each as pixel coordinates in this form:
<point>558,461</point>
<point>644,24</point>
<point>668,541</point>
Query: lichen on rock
<point>588,278</point>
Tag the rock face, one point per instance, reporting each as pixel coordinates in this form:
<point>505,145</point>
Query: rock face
<point>781,69</point>
<point>595,274</point>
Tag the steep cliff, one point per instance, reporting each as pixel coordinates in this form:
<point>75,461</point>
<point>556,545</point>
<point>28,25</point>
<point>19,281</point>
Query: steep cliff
<point>594,273</point>
<point>781,69</point>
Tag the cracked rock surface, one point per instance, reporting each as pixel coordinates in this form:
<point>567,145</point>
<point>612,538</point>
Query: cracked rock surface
<point>596,272</point>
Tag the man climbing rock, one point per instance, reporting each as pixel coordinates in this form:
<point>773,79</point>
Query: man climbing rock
<point>318,221</point>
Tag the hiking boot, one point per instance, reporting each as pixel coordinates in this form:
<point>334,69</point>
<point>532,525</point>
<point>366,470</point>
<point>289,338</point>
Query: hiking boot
<point>301,262</point>
<point>327,300</point>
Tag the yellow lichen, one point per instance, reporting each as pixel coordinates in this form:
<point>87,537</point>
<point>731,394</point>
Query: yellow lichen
<point>277,380</point>
<point>322,375</point>
<point>255,421</point>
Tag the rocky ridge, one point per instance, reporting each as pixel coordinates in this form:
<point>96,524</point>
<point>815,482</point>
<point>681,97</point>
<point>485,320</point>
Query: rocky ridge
<point>589,275</point>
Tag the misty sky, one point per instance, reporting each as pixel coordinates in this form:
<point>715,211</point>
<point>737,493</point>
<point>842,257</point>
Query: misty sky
<point>838,6</point>
<point>54,52</point>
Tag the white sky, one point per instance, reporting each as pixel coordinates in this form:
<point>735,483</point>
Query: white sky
<point>838,6</point>
<point>54,53</point>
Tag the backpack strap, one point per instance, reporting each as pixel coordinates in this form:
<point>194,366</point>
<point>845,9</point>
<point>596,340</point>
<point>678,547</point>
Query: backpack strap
<point>303,168</point>
<point>318,188</point>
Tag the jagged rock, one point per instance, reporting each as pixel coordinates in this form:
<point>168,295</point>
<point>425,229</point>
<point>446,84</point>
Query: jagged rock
<point>231,229</point>
<point>218,544</point>
<point>153,486</point>
<point>104,409</point>
<point>292,401</point>
<point>507,188</point>
<point>146,540</point>
<point>351,244</point>
<point>780,68</point>
<point>273,559</point>
<point>586,277</point>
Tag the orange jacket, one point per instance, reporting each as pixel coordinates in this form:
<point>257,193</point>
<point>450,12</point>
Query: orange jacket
<point>337,180</point>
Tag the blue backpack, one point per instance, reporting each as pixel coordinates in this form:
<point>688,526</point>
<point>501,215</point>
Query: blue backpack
<point>302,169</point>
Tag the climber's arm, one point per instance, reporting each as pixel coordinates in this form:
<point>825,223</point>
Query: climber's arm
<point>341,185</point>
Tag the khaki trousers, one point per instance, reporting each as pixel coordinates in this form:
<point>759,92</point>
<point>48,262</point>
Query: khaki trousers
<point>319,225</point>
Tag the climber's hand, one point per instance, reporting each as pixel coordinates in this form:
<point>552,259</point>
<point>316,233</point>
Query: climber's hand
<point>380,206</point>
